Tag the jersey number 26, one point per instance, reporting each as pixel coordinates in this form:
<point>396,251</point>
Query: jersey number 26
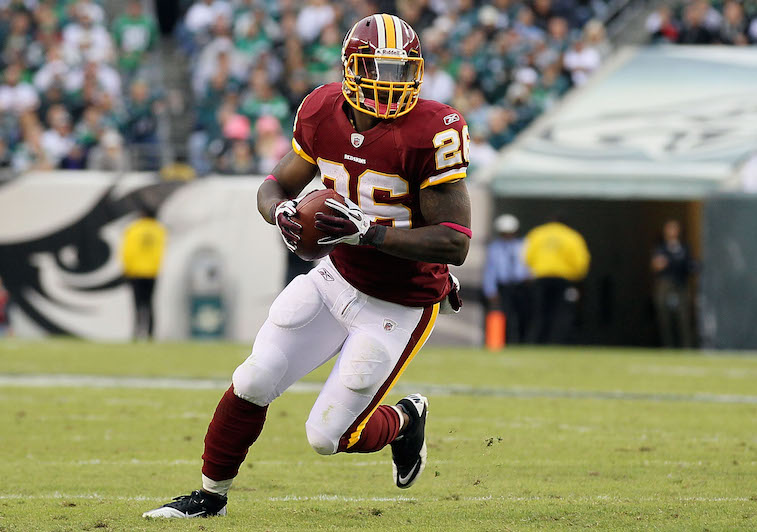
<point>380,195</point>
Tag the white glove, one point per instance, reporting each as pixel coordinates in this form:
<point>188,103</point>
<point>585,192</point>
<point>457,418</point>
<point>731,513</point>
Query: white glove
<point>452,303</point>
<point>289,229</point>
<point>346,229</point>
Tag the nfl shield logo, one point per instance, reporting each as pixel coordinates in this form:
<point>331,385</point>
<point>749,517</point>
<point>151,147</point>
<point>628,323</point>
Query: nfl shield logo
<point>389,325</point>
<point>357,139</point>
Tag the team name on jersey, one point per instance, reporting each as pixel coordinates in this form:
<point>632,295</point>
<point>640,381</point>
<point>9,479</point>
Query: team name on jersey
<point>354,159</point>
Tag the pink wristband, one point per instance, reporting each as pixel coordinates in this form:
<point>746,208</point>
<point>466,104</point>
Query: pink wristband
<point>459,228</point>
<point>271,176</point>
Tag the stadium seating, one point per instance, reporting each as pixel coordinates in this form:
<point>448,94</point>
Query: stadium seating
<point>77,89</point>
<point>703,22</point>
<point>499,63</point>
<point>74,93</point>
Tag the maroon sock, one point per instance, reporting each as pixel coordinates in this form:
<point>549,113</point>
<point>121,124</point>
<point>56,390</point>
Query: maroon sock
<point>382,428</point>
<point>235,426</point>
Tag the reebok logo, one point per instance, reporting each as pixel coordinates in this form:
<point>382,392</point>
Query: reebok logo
<point>325,274</point>
<point>451,119</point>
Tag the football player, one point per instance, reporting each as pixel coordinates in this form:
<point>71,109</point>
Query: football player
<point>399,162</point>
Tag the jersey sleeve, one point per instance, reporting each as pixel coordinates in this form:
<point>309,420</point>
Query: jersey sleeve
<point>445,154</point>
<point>305,125</point>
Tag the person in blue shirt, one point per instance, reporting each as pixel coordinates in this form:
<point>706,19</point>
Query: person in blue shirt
<point>505,276</point>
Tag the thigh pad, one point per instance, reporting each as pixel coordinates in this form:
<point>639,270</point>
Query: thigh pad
<point>365,362</point>
<point>297,305</point>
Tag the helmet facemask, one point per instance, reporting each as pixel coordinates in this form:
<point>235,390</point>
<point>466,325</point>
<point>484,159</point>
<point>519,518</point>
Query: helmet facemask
<point>385,84</point>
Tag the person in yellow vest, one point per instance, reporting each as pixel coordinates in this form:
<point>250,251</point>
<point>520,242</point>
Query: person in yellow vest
<point>558,259</point>
<point>141,254</point>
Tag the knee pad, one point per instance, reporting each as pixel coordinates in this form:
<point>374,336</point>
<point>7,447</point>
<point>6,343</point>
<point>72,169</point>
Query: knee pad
<point>365,362</point>
<point>256,379</point>
<point>297,305</point>
<point>320,443</point>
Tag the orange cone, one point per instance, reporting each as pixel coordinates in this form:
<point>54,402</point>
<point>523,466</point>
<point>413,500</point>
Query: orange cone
<point>496,322</point>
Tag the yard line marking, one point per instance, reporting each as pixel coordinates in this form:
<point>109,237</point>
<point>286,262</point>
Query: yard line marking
<point>99,381</point>
<point>339,464</point>
<point>509,498</point>
<point>398,498</point>
<point>94,496</point>
<point>340,498</point>
<point>100,462</point>
<point>694,371</point>
<point>273,463</point>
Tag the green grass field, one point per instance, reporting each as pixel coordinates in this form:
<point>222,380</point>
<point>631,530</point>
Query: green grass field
<point>527,439</point>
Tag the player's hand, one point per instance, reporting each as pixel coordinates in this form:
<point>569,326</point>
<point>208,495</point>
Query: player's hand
<point>349,228</point>
<point>290,230</point>
<point>452,303</point>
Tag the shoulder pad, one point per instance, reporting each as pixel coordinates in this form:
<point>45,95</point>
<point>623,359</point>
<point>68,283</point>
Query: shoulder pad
<point>429,118</point>
<point>320,100</point>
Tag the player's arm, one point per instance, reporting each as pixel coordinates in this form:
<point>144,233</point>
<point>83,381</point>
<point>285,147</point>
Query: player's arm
<point>443,198</point>
<point>446,238</point>
<point>446,204</point>
<point>290,176</point>
<point>288,179</point>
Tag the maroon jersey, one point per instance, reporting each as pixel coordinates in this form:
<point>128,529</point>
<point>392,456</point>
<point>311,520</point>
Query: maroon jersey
<point>383,170</point>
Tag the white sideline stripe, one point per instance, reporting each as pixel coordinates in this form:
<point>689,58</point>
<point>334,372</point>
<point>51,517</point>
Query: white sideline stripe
<point>271,463</point>
<point>58,495</point>
<point>509,498</point>
<point>100,381</point>
<point>342,498</point>
<point>332,463</point>
<point>98,461</point>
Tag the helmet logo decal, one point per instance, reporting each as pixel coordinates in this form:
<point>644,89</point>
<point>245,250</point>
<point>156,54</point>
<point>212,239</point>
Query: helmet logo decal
<point>357,139</point>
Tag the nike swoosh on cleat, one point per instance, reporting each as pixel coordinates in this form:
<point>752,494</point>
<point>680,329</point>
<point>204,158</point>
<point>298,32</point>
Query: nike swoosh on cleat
<point>403,480</point>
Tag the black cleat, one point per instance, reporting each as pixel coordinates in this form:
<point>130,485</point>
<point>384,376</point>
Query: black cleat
<point>198,504</point>
<point>409,450</point>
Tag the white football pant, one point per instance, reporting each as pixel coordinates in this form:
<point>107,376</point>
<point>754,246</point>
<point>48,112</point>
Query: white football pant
<point>317,316</point>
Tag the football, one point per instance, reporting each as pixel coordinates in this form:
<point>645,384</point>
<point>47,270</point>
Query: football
<point>308,248</point>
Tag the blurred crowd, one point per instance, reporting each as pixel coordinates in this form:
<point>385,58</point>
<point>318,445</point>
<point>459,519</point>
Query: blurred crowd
<point>72,92</point>
<point>705,22</point>
<point>501,63</point>
<point>76,89</point>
